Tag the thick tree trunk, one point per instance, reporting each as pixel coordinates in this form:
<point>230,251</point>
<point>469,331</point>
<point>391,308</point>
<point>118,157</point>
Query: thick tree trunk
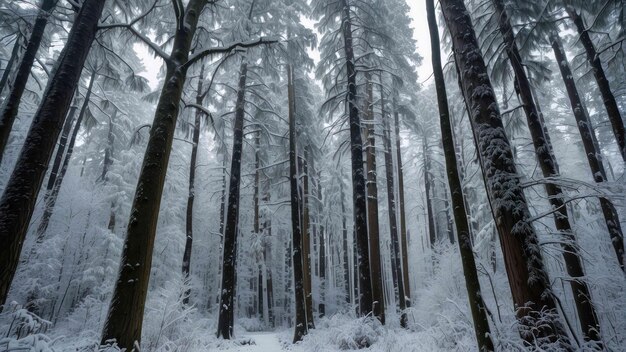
<point>396,261</point>
<point>20,194</point>
<point>404,245</point>
<point>12,101</point>
<point>186,268</point>
<point>472,284</point>
<point>590,144</point>
<point>549,167</point>
<point>593,57</point>
<point>229,283</point>
<point>50,198</point>
<point>257,220</point>
<point>298,266</point>
<point>267,255</point>
<point>125,316</point>
<point>372,208</point>
<point>306,241</point>
<point>358,176</point>
<point>529,282</point>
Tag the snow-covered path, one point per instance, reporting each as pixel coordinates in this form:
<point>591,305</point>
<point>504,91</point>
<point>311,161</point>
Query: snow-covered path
<point>263,342</point>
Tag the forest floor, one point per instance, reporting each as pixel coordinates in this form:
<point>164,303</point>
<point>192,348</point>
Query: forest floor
<point>258,342</point>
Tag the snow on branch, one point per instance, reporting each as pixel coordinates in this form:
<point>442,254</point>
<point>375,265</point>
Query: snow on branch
<point>226,49</point>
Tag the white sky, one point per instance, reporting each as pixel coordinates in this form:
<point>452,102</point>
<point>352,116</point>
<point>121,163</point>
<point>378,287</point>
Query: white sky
<point>420,27</point>
<point>420,33</point>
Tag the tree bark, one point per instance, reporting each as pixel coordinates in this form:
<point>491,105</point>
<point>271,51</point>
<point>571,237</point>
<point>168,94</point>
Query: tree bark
<point>322,252</point>
<point>608,98</point>
<point>429,192</point>
<point>549,167</point>
<point>529,282</point>
<point>20,194</point>
<point>396,260</point>
<point>472,284</point>
<point>125,316</point>
<point>344,236</point>
<point>306,241</point>
<point>9,67</point>
<point>231,231</point>
<point>186,268</point>
<point>12,101</point>
<point>592,149</point>
<point>403,235</point>
<point>372,207</point>
<point>358,175</point>
<point>298,266</point>
<point>50,198</point>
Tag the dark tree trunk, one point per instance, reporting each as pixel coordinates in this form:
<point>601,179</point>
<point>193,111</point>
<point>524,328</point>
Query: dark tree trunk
<point>549,167</point>
<point>429,192</point>
<point>186,268</point>
<point>298,266</point>
<point>267,255</point>
<point>403,235</point>
<point>306,241</point>
<point>610,104</point>
<point>125,316</point>
<point>344,235</point>
<point>592,149</point>
<point>378,299</point>
<point>50,198</point>
<point>257,219</point>
<point>106,165</point>
<point>12,101</point>
<point>9,67</point>
<point>322,252</point>
<point>396,260</point>
<point>58,159</point>
<point>20,194</point>
<point>229,283</point>
<point>359,196</point>
<point>472,284</point>
<point>529,282</point>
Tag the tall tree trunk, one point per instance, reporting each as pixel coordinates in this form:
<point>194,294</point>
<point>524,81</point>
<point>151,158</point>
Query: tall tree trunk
<point>396,259</point>
<point>12,101</point>
<point>267,255</point>
<point>322,251</point>
<point>20,194</point>
<point>125,316</point>
<point>429,192</point>
<point>344,236</point>
<point>592,150</point>
<point>257,220</point>
<point>372,208</point>
<point>9,67</point>
<point>106,165</point>
<point>306,241</point>
<point>228,291</point>
<point>298,266</point>
<point>50,198</point>
<point>403,235</point>
<point>186,268</point>
<point>472,284</point>
<point>608,98</point>
<point>528,279</point>
<point>58,157</point>
<point>359,196</point>
<point>549,167</point>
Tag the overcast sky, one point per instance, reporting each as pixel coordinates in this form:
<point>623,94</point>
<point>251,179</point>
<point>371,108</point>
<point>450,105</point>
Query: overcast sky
<point>420,26</point>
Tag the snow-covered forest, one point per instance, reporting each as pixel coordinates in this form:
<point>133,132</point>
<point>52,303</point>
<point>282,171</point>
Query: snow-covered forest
<point>268,175</point>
